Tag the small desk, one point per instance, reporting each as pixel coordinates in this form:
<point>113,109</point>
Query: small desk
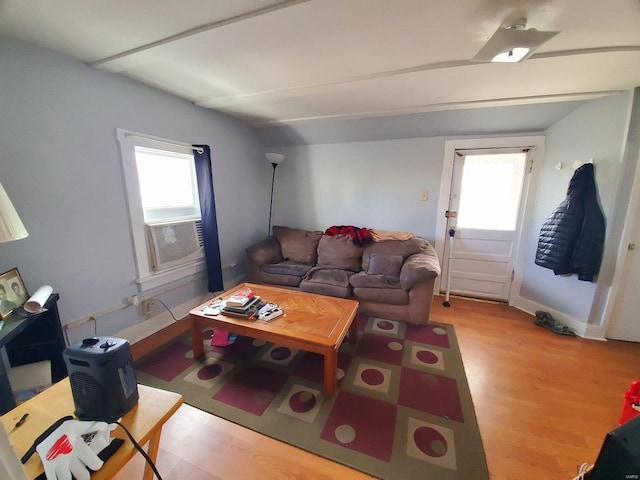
<point>144,421</point>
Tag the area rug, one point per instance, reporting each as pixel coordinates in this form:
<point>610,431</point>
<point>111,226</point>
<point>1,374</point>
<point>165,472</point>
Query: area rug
<point>402,410</point>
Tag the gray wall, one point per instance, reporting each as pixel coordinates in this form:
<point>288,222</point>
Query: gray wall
<point>60,164</point>
<point>367,184</point>
<point>595,130</point>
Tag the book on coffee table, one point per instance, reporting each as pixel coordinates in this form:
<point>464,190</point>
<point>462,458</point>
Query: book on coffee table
<point>241,297</point>
<point>251,315</point>
<point>246,310</point>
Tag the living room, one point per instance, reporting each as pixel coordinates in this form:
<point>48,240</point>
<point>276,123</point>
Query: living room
<point>61,168</point>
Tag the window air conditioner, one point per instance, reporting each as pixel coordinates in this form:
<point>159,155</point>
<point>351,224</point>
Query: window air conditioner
<point>173,244</point>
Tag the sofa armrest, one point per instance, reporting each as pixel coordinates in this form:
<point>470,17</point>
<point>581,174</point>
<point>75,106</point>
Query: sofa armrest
<point>418,267</point>
<point>265,252</point>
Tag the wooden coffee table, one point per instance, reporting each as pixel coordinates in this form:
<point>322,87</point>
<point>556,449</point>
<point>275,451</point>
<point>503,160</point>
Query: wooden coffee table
<point>314,323</point>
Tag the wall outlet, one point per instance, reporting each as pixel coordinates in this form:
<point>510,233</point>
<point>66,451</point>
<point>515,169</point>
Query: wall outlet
<point>147,306</point>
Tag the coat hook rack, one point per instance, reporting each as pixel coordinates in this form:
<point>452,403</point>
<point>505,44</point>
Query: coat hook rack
<point>577,164</point>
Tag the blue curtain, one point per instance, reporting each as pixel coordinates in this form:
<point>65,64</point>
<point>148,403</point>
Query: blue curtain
<point>209,223</point>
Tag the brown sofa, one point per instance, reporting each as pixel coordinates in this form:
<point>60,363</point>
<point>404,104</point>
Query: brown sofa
<point>392,279</point>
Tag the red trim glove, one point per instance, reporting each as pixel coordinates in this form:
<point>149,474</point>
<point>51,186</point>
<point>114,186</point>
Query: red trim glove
<point>65,453</point>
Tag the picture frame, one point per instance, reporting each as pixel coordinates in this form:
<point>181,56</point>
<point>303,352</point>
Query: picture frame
<point>13,293</point>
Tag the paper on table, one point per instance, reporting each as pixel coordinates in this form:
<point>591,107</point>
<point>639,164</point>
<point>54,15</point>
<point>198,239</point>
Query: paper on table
<point>38,299</point>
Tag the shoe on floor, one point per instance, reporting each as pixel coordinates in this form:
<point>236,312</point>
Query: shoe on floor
<point>544,319</point>
<point>561,329</point>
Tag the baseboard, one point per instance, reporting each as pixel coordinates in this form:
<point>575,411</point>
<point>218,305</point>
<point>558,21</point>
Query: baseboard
<point>596,332</point>
<point>153,342</point>
<point>531,307</point>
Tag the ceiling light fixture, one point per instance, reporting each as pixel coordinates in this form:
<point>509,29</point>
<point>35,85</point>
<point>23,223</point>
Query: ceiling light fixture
<point>512,43</point>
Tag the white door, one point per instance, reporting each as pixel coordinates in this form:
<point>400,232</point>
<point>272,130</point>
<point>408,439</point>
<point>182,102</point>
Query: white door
<point>485,211</point>
<point>625,321</point>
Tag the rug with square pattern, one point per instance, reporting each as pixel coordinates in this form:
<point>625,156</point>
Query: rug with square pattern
<point>402,410</point>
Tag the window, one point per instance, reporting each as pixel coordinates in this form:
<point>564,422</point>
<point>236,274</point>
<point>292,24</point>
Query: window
<point>490,191</point>
<point>164,208</point>
<point>168,187</point>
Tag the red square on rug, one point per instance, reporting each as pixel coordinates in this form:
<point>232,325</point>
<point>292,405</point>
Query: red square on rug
<point>362,424</point>
<point>430,393</point>
<point>361,321</point>
<point>380,348</point>
<point>311,367</point>
<point>431,334</point>
<point>252,389</point>
<point>169,363</point>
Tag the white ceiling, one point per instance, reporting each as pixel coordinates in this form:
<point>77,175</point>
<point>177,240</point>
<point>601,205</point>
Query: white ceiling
<point>273,62</point>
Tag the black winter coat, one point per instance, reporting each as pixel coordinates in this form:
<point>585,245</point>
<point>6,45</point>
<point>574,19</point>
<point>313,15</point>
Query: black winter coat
<point>572,238</point>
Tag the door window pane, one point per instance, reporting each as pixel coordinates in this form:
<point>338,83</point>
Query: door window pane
<point>490,192</point>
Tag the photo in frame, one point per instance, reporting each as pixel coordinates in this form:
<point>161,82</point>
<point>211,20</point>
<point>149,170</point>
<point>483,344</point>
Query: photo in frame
<point>13,293</point>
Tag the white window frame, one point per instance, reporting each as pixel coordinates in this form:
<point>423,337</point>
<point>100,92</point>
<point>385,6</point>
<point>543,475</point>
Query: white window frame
<point>147,279</point>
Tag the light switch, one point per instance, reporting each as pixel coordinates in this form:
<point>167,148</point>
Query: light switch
<point>424,195</point>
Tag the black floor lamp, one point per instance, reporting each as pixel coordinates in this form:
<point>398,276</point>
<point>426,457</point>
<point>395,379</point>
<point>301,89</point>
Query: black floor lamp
<point>274,159</point>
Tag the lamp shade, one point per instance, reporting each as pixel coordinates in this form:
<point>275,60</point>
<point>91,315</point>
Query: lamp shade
<point>11,227</point>
<point>274,158</point>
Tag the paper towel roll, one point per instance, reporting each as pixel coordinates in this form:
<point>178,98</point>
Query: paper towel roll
<point>38,299</point>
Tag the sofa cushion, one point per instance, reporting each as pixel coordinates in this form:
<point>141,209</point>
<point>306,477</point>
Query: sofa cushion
<point>403,248</point>
<point>298,245</point>
<point>266,251</point>
<point>385,265</point>
<point>327,281</point>
<point>339,252</point>
<point>364,280</point>
<point>279,280</point>
<point>287,267</point>
<point>325,289</point>
<point>391,296</point>
<point>330,276</point>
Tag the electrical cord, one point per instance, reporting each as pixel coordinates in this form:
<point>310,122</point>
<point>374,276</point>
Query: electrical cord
<point>168,309</point>
<point>90,319</point>
<point>582,471</point>
<point>141,450</point>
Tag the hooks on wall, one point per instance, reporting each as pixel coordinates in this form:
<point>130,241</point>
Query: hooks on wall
<point>577,164</point>
<point>574,166</point>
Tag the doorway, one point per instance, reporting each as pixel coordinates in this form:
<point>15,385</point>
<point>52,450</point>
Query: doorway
<point>624,323</point>
<point>484,207</point>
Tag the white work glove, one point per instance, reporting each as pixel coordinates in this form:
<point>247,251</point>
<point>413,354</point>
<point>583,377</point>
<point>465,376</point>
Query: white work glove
<point>96,434</point>
<point>65,453</point>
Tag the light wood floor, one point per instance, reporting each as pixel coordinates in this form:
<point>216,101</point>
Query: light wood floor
<point>544,403</point>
